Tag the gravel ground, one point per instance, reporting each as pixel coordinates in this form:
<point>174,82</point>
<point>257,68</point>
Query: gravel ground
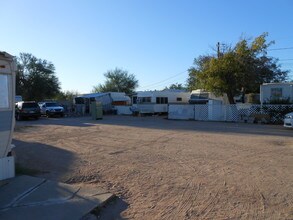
<point>164,169</point>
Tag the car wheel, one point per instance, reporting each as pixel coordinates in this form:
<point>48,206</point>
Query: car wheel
<point>47,114</point>
<point>37,117</point>
<point>62,115</point>
<point>18,117</point>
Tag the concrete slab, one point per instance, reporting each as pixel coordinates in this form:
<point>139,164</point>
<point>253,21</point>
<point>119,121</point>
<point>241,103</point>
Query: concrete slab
<point>49,192</point>
<point>27,197</point>
<point>11,190</point>
<point>75,209</point>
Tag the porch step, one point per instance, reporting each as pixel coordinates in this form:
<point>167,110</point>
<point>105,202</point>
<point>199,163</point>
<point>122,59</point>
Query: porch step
<point>25,197</point>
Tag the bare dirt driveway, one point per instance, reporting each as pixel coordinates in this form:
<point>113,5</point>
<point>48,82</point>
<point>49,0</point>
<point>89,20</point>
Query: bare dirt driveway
<point>167,169</point>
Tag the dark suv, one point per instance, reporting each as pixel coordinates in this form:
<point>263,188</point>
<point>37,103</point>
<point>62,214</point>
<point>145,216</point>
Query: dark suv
<point>27,110</point>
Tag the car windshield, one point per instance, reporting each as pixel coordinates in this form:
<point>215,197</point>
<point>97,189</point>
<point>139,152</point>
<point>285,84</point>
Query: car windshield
<point>52,104</point>
<point>200,96</point>
<point>30,105</point>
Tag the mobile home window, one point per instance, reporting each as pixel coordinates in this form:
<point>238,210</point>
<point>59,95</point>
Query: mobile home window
<point>162,100</point>
<point>179,99</point>
<point>144,99</point>
<point>134,100</point>
<point>4,91</point>
<point>276,93</point>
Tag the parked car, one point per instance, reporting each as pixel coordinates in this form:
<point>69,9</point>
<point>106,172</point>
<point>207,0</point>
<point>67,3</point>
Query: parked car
<point>27,109</point>
<point>288,120</point>
<point>51,109</point>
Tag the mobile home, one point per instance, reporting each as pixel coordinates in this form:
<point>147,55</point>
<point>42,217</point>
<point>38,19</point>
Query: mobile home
<point>157,101</point>
<point>276,92</point>
<point>7,102</point>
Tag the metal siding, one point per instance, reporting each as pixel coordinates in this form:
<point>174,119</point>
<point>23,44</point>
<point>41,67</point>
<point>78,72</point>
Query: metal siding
<point>5,141</point>
<point>7,168</point>
<point>6,123</point>
<point>6,120</point>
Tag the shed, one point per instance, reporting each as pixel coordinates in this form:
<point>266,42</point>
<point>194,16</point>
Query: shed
<point>83,102</point>
<point>276,92</point>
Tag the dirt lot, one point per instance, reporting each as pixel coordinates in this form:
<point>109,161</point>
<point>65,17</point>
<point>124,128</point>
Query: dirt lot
<point>168,169</point>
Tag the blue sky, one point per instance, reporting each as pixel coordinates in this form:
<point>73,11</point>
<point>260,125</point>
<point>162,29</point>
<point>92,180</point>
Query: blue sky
<point>156,40</point>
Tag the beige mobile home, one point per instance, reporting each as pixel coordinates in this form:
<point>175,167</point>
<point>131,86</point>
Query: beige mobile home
<point>7,97</point>
<point>158,101</point>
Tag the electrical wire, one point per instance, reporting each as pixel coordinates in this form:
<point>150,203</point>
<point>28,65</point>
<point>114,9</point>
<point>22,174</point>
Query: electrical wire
<point>179,81</point>
<point>285,59</point>
<point>284,48</point>
<point>162,81</point>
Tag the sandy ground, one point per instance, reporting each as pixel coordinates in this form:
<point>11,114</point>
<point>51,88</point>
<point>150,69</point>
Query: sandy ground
<point>163,169</point>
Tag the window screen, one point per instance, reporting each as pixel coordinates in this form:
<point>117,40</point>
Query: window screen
<point>4,90</point>
<point>276,93</point>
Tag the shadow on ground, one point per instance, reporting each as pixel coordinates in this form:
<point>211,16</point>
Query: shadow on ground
<point>42,160</point>
<point>113,210</point>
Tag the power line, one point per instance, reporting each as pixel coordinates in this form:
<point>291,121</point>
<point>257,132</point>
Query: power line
<point>179,81</point>
<point>165,83</point>
<point>153,84</point>
<point>284,48</point>
<point>285,59</point>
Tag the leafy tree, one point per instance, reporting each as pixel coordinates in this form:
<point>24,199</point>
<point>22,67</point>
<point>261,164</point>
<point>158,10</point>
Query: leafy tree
<point>242,68</point>
<point>66,95</point>
<point>35,78</point>
<point>118,80</point>
<point>176,86</point>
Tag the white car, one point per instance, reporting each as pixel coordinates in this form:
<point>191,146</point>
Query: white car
<point>288,120</point>
<point>51,109</point>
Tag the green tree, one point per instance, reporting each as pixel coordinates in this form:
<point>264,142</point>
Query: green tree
<point>35,78</point>
<point>66,95</point>
<point>118,80</point>
<point>242,68</point>
<point>177,86</point>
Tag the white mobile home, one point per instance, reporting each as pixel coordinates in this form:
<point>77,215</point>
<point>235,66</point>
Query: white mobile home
<point>7,105</point>
<point>157,101</point>
<point>276,92</point>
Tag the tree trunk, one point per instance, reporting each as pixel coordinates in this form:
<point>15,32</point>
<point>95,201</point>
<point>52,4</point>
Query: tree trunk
<point>231,98</point>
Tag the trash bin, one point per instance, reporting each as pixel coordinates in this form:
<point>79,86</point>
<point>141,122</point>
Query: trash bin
<point>96,110</point>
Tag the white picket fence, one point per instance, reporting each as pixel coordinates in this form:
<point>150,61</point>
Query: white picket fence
<point>233,113</point>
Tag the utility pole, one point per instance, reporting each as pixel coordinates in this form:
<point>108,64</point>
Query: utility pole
<point>218,49</point>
